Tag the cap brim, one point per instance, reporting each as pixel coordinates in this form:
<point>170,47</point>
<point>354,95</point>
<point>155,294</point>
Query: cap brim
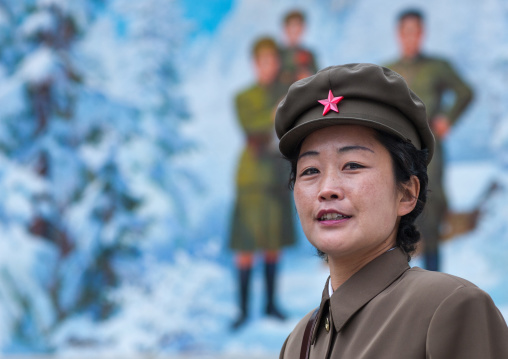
<point>291,140</point>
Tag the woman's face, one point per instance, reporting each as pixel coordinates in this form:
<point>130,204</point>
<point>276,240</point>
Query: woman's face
<point>345,192</point>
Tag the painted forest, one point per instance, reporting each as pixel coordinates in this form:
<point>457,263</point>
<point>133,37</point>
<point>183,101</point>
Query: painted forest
<point>118,150</point>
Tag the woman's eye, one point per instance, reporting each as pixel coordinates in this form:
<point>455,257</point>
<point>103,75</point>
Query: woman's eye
<point>309,171</point>
<point>353,166</point>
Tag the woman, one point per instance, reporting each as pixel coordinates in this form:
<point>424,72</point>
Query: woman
<point>262,197</point>
<point>359,143</point>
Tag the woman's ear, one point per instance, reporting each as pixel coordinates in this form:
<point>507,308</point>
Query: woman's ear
<point>409,196</point>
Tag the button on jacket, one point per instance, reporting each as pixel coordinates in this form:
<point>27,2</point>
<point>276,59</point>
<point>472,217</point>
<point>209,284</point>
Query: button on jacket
<point>389,310</point>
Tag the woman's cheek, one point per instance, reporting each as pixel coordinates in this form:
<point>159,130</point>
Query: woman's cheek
<point>297,198</point>
<point>301,202</point>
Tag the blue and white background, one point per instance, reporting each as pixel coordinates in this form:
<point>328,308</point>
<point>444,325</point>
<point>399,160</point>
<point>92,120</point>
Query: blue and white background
<point>118,147</point>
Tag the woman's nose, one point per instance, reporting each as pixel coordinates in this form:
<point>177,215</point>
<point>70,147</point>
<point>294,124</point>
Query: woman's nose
<point>330,189</point>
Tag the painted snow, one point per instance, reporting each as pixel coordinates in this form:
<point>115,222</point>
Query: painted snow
<point>160,93</point>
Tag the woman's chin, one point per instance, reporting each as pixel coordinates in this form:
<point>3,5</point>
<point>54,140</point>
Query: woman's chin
<point>333,248</point>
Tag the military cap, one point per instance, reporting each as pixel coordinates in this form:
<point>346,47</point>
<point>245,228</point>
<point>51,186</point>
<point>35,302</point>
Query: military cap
<point>359,94</point>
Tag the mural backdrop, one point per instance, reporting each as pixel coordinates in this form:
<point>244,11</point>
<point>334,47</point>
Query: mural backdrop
<point>118,151</point>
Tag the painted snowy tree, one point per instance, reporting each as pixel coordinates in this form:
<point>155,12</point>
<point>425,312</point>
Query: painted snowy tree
<point>140,68</point>
<point>36,73</point>
<point>134,47</point>
<point>91,160</point>
<point>37,138</point>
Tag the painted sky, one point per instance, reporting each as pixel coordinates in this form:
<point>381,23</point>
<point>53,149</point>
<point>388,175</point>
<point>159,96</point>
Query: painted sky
<point>206,15</point>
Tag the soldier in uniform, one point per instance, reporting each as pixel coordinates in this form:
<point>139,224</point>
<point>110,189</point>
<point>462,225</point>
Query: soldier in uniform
<point>262,218</point>
<point>359,144</point>
<point>297,62</point>
<point>430,78</point>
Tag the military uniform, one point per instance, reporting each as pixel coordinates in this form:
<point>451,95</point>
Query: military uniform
<point>385,309</point>
<point>296,63</point>
<point>388,310</point>
<point>262,218</point>
<point>430,78</point>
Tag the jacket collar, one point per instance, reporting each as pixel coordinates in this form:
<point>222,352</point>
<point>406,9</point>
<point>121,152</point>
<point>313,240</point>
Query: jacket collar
<point>362,287</point>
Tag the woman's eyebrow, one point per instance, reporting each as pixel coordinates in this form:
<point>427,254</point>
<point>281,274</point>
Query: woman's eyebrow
<point>308,153</point>
<point>354,148</point>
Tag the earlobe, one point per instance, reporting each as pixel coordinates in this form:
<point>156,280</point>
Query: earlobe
<point>410,196</point>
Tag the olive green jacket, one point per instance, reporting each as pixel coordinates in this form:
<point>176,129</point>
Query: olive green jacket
<point>430,78</point>
<point>388,310</point>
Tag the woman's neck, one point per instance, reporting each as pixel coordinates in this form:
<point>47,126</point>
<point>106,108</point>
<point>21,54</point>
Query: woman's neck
<point>343,267</point>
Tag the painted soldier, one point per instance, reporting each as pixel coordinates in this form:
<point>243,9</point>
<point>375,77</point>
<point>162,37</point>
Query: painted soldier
<point>431,78</point>
<point>262,218</point>
<point>297,62</point>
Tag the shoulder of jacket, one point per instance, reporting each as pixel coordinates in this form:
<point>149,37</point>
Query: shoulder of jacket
<point>470,294</point>
<point>421,280</point>
<point>439,277</point>
<point>467,316</point>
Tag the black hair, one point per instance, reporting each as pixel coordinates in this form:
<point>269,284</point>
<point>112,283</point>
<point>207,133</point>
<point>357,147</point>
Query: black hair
<point>407,161</point>
<point>416,13</point>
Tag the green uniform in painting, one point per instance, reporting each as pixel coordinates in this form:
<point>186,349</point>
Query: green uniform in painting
<point>263,216</point>
<point>430,78</point>
<point>296,63</point>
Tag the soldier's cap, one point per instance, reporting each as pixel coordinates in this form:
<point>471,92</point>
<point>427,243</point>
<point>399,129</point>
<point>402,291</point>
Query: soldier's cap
<point>373,96</point>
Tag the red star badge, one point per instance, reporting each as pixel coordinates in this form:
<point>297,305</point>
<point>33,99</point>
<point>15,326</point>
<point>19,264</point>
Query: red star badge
<point>330,103</point>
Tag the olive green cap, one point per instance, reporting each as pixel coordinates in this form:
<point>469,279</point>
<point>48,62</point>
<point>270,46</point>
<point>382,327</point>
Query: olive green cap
<point>373,96</point>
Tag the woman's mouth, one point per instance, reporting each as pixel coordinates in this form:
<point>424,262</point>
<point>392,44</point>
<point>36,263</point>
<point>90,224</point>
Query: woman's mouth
<point>332,217</point>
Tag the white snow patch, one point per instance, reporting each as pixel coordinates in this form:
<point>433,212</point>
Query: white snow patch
<point>41,21</point>
<point>158,312</point>
<point>11,98</point>
<point>461,258</point>
<point>39,67</point>
<point>467,183</point>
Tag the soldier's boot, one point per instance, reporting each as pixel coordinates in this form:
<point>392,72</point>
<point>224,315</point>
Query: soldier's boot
<point>244,275</point>
<point>270,277</point>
